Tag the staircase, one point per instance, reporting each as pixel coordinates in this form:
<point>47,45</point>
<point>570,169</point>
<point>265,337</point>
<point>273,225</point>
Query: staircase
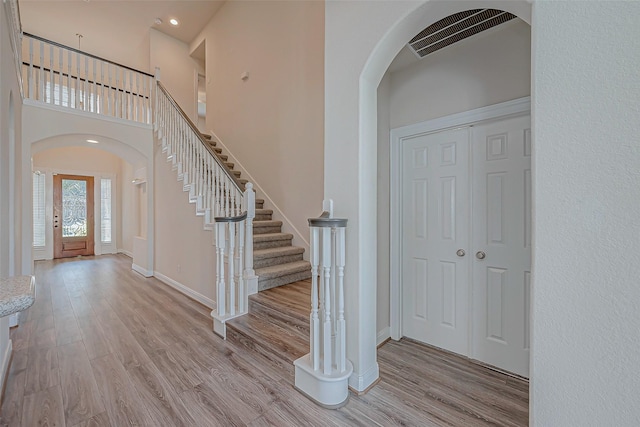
<point>275,260</point>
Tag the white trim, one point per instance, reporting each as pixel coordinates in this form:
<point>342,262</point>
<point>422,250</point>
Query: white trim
<point>140,270</point>
<point>365,380</point>
<point>383,335</point>
<point>207,302</point>
<point>398,135</point>
<point>503,109</point>
<point>299,237</point>
<point>125,252</point>
<point>86,114</point>
<point>5,364</point>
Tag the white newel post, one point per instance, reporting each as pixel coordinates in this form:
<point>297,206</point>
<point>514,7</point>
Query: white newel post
<point>323,374</point>
<point>231,286</point>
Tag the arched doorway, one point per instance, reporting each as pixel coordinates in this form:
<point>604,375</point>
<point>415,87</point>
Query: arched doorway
<point>445,101</point>
<point>351,134</point>
<point>116,168</point>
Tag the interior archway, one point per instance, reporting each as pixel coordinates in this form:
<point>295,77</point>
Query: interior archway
<point>351,140</point>
<point>489,68</point>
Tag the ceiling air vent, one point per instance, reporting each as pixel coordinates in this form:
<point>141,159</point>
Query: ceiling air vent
<point>456,27</point>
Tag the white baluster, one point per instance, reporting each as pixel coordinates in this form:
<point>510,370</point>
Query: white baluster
<point>220,247</point>
<point>60,78</point>
<point>130,97</point>
<point>242,290</point>
<point>31,75</point>
<point>69,90</point>
<point>51,78</point>
<point>342,332</point>
<point>102,100</point>
<point>231,269</point>
<point>86,106</point>
<point>117,103</point>
<point>41,86</point>
<point>326,326</point>
<point>314,320</point>
<point>110,94</point>
<point>94,88</point>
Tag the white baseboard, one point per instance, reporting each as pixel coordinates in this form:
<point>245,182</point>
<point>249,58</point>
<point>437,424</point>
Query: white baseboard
<point>126,252</point>
<point>143,271</point>
<point>300,238</point>
<point>207,302</point>
<point>361,382</point>
<point>6,358</point>
<point>383,335</point>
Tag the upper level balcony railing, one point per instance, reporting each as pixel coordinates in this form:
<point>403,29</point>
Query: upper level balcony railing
<point>66,77</point>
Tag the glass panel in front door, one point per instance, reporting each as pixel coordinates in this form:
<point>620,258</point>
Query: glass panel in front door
<point>74,208</point>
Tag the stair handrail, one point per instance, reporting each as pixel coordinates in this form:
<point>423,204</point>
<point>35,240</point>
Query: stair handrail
<point>195,129</point>
<point>78,51</point>
<point>220,197</point>
<point>323,374</point>
<point>60,75</point>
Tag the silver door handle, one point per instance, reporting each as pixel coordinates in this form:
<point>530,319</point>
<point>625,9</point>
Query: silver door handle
<point>460,252</point>
<point>480,255</point>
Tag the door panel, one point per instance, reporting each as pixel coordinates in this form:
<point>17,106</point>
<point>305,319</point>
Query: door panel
<point>73,215</point>
<point>435,225</point>
<point>502,230</point>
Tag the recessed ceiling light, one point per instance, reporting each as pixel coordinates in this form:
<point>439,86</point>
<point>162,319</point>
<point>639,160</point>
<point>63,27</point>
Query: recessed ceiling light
<point>92,141</point>
<point>173,21</point>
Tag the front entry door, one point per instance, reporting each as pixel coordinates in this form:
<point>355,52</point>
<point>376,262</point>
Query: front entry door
<point>73,216</point>
<point>466,241</point>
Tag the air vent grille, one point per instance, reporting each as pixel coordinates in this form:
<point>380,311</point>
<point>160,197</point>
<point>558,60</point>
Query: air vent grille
<point>456,27</point>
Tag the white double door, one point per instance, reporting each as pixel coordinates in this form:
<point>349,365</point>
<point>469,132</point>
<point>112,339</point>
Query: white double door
<point>466,241</point>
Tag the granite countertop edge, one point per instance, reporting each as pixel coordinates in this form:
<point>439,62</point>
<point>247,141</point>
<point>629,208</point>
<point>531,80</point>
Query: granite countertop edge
<point>17,293</point>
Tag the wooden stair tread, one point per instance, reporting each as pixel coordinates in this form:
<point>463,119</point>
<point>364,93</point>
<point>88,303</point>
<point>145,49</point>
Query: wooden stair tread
<point>277,325</point>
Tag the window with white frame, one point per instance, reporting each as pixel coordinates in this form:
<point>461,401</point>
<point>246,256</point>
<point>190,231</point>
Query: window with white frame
<point>39,226</point>
<point>105,210</point>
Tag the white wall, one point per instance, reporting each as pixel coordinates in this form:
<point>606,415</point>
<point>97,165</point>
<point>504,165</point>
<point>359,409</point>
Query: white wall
<point>127,211</point>
<point>482,70</point>
<point>586,109</point>
<point>184,251</point>
<point>12,252</point>
<point>272,123</point>
<point>178,71</point>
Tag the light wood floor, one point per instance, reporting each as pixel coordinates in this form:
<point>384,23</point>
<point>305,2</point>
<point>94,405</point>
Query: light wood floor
<point>104,346</point>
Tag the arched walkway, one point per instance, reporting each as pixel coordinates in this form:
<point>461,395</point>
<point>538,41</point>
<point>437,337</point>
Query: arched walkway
<point>351,139</point>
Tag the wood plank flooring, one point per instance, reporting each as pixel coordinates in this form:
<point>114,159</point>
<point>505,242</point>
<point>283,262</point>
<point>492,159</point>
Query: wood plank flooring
<point>103,346</point>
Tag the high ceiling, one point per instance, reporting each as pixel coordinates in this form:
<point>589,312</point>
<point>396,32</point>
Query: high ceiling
<point>108,25</point>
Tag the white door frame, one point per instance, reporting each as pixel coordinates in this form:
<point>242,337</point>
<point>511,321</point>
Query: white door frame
<point>46,252</point>
<point>398,135</point>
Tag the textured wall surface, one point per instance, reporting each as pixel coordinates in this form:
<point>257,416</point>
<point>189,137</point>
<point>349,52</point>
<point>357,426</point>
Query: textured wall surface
<point>586,298</point>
